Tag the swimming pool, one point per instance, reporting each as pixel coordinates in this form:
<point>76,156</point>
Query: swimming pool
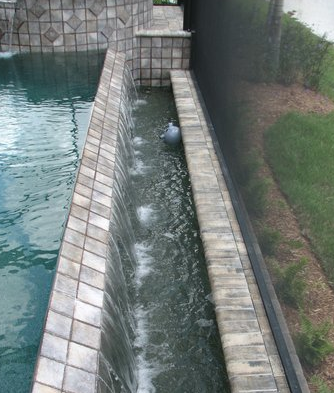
<point>45,105</point>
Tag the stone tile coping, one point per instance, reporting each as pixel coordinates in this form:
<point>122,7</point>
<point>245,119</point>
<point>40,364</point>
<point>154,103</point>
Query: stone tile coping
<point>167,22</point>
<point>69,350</point>
<point>167,17</point>
<point>252,359</point>
<point>163,33</point>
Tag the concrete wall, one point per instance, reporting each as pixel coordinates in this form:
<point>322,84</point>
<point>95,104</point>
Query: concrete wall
<point>74,25</point>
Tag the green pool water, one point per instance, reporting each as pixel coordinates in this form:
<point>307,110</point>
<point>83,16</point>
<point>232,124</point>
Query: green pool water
<point>45,105</point>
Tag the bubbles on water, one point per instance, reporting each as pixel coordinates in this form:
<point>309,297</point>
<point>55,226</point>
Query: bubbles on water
<point>140,102</point>
<point>169,235</point>
<point>204,322</point>
<point>141,331</point>
<point>145,376</point>
<point>146,214</point>
<point>6,55</point>
<point>209,297</point>
<point>146,371</point>
<point>144,262</point>
<point>139,168</point>
<point>138,141</point>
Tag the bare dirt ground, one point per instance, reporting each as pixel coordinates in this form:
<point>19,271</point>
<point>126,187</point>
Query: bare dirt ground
<point>266,103</point>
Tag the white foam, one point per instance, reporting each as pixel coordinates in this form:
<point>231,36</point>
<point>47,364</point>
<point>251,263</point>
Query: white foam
<point>141,331</point>
<point>140,102</point>
<point>144,264</point>
<point>137,141</point>
<point>169,235</point>
<point>139,168</point>
<point>146,214</point>
<point>6,55</point>
<point>146,373</point>
<point>204,322</point>
<point>146,370</point>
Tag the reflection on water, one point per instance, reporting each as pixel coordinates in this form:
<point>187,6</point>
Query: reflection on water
<point>44,112</point>
<point>317,14</point>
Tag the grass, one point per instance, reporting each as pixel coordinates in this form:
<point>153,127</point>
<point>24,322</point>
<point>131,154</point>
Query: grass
<point>300,150</point>
<point>326,85</point>
<point>289,283</point>
<point>312,343</point>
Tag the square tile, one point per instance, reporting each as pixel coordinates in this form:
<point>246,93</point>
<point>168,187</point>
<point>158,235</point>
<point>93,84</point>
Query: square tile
<point>50,372</point>
<point>82,357</point>
<point>87,335</point>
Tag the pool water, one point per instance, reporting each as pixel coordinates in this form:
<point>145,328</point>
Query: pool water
<point>45,106</point>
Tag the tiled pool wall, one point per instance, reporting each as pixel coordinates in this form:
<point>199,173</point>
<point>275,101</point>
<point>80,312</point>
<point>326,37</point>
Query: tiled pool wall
<point>73,25</point>
<point>159,52</point>
<point>69,353</point>
<point>81,25</point>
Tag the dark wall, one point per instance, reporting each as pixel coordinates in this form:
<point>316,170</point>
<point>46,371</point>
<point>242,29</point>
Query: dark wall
<point>209,60</point>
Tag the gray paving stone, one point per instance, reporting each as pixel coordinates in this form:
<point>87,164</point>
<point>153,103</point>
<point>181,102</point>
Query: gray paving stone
<point>86,335</point>
<point>81,200</point>
<point>87,313</point>
<point>65,285</point>
<point>50,372</point>
<point>79,381</point>
<point>82,357</point>
<point>74,237</point>
<point>62,303</point>
<point>79,212</point>
<point>92,277</point>
<point>77,224</point>
<point>90,295</point>
<point>54,347</point>
<point>40,388</point>
<point>98,221</point>
<point>58,324</point>
<point>68,268</point>
<point>97,233</point>
<point>94,261</point>
<point>96,247</point>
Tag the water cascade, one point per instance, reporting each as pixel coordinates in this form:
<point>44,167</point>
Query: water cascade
<point>158,328</point>
<point>7,15</point>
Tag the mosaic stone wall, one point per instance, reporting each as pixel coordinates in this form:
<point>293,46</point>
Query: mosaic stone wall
<point>73,25</point>
<point>158,53</point>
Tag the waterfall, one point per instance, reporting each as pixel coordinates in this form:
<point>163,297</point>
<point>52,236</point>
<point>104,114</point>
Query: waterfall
<point>158,328</point>
<point>117,363</point>
<point>8,15</point>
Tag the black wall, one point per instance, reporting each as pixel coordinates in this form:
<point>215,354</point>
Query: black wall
<point>209,59</point>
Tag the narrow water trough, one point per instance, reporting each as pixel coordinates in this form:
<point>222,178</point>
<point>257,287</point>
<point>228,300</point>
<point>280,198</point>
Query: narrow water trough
<point>79,334</point>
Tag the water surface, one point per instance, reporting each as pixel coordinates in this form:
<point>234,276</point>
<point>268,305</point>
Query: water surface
<point>45,105</point>
<point>177,342</point>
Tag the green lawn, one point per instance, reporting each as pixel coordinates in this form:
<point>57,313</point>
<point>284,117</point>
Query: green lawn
<point>300,150</point>
<point>326,85</point>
